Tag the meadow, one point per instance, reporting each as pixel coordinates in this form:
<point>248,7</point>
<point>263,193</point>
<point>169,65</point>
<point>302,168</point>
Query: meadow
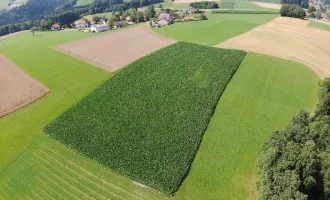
<point>264,93</point>
<point>319,25</point>
<point>3,4</point>
<point>216,29</point>
<point>84,2</point>
<point>147,121</point>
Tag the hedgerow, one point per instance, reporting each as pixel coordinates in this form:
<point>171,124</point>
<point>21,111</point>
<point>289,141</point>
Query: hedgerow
<point>148,120</point>
<point>244,12</point>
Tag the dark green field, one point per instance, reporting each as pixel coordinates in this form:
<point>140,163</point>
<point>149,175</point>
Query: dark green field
<point>148,120</point>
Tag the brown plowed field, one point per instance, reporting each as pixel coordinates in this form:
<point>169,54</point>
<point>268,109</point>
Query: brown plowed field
<point>17,89</point>
<point>114,51</point>
<point>290,39</point>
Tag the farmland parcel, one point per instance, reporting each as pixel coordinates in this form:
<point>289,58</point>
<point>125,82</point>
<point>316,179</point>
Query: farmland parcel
<point>114,51</point>
<point>290,39</point>
<point>148,120</point>
<point>17,89</point>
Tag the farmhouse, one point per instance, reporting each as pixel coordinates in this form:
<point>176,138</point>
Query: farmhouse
<point>55,27</point>
<point>165,19</point>
<point>81,23</point>
<point>96,28</point>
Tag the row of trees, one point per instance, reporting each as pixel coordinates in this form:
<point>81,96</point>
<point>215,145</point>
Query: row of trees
<point>205,5</point>
<point>295,162</point>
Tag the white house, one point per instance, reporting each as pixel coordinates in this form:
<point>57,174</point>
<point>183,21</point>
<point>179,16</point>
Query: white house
<point>99,28</point>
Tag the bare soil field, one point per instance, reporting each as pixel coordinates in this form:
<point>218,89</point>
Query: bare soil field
<point>268,5</point>
<point>290,39</point>
<point>114,51</point>
<point>17,89</point>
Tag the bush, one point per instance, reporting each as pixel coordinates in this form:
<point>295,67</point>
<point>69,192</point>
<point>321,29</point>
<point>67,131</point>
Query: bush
<point>292,10</point>
<point>148,120</point>
<point>203,17</point>
<point>204,5</point>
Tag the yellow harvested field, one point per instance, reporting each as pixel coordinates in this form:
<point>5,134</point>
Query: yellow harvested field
<point>17,89</point>
<point>116,50</point>
<point>268,5</point>
<point>290,39</point>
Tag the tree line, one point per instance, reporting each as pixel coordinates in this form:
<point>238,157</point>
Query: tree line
<point>295,162</point>
<point>41,12</point>
<point>205,5</point>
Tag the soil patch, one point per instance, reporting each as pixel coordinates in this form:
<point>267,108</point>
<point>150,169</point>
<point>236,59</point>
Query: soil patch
<point>17,89</point>
<point>290,39</point>
<point>116,50</point>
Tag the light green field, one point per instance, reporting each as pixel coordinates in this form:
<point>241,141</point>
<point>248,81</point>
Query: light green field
<point>319,26</point>
<point>217,28</point>
<point>84,2</point>
<point>263,95</point>
<point>3,4</point>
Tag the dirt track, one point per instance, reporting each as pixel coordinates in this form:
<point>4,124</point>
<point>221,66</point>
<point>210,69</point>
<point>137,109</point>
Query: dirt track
<point>268,5</point>
<point>290,39</point>
<point>114,51</point>
<point>17,89</point>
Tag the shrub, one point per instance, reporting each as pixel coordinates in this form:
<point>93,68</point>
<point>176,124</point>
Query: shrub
<point>148,120</point>
<point>204,5</point>
<point>292,10</point>
<point>203,17</point>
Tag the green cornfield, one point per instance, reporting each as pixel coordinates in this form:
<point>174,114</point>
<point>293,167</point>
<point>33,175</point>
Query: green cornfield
<point>148,120</point>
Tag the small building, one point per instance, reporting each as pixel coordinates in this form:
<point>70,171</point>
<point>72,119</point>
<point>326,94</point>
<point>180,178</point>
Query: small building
<point>191,10</point>
<point>80,24</point>
<point>165,19</point>
<point>163,22</point>
<point>120,24</point>
<point>55,27</point>
<point>130,23</point>
<point>99,28</point>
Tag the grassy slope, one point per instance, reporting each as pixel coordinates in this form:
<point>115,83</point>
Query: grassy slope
<point>84,2</point>
<point>262,96</point>
<point>267,1</point>
<point>218,28</point>
<point>319,26</point>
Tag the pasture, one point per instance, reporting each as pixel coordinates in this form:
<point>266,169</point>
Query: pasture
<point>215,30</point>
<point>84,2</point>
<point>4,4</point>
<point>290,39</point>
<point>17,89</point>
<point>114,51</point>
<point>148,120</point>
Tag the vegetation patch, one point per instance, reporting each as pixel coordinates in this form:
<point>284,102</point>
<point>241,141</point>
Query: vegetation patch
<point>319,26</point>
<point>148,120</point>
<point>227,5</point>
<point>244,12</point>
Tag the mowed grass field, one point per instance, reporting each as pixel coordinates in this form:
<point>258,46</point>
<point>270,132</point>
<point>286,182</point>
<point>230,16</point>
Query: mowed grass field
<point>264,93</point>
<point>216,29</point>
<point>84,2</point>
<point>3,4</point>
<point>318,25</point>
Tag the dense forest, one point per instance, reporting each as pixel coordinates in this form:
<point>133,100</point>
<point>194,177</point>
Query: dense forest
<point>295,162</point>
<point>40,12</point>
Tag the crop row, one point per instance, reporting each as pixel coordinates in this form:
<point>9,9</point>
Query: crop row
<point>147,121</point>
